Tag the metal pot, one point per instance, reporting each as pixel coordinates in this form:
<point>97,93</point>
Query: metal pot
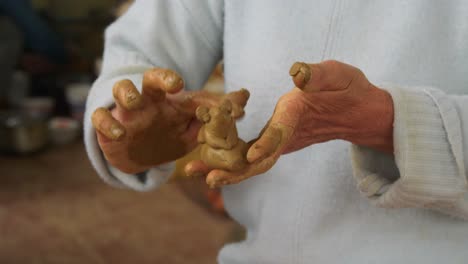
<point>22,134</point>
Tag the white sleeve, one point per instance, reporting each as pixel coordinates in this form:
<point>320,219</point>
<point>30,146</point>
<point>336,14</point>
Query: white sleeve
<point>428,168</point>
<point>183,35</point>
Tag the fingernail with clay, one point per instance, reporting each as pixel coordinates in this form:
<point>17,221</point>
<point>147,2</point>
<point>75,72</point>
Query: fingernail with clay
<point>116,132</point>
<point>170,81</point>
<point>255,153</point>
<point>133,100</point>
<point>301,73</point>
<point>131,97</point>
<point>173,83</point>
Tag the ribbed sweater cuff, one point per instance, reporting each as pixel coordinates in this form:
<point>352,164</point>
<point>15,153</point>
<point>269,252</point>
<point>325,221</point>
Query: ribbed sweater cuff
<point>427,169</point>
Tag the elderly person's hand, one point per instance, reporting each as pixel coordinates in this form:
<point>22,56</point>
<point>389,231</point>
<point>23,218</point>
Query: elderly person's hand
<point>332,100</point>
<point>157,126</point>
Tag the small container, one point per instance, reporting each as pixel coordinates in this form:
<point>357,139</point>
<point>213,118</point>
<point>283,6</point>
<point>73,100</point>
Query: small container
<point>38,107</point>
<point>22,134</point>
<point>63,130</point>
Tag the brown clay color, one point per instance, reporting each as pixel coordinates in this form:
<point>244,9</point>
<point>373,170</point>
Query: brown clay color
<point>300,72</point>
<point>221,147</point>
<point>171,143</point>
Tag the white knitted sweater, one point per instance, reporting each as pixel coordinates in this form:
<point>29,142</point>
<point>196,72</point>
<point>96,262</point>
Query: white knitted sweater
<point>321,204</point>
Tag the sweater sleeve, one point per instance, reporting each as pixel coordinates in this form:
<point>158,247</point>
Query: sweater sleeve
<point>182,35</point>
<point>428,168</point>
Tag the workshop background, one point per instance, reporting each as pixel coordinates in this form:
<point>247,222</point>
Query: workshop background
<point>53,206</point>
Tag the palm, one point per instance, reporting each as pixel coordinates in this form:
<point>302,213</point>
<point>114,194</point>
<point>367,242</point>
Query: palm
<point>147,133</point>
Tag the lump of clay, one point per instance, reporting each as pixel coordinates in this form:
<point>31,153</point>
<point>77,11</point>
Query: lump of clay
<point>220,146</point>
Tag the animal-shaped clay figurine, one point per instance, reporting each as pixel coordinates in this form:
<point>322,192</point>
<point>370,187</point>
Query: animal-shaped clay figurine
<point>220,146</point>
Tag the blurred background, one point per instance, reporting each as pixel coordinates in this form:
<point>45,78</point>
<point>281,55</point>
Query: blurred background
<point>53,206</point>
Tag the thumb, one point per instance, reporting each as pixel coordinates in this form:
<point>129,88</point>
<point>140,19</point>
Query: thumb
<point>324,76</point>
<point>271,141</point>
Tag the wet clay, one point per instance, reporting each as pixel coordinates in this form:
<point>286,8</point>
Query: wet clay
<point>300,72</point>
<point>220,146</point>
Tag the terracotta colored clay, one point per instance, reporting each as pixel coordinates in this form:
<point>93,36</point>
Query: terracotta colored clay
<point>221,148</point>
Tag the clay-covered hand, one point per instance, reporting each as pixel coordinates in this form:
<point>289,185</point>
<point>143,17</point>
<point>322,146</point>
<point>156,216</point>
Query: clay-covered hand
<point>157,126</point>
<point>331,100</point>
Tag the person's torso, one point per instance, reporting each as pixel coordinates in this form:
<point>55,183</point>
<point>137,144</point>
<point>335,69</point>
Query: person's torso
<point>307,208</point>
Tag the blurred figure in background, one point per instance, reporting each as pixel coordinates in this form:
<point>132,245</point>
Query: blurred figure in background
<point>10,48</point>
<point>42,50</point>
<point>39,39</point>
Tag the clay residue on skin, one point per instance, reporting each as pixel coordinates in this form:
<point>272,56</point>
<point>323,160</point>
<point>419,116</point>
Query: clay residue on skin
<point>170,81</point>
<point>165,146</point>
<point>164,136</point>
<point>106,124</point>
<point>152,84</point>
<point>268,143</point>
<point>126,95</point>
<point>133,100</point>
<point>301,73</point>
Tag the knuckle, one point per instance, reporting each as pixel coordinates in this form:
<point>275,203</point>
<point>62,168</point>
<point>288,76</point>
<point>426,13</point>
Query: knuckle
<point>287,101</point>
<point>333,69</point>
<point>358,72</point>
<point>332,64</point>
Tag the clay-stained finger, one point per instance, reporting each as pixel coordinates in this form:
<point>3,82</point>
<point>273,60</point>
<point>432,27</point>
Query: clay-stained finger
<point>266,145</point>
<point>219,178</point>
<point>126,95</point>
<point>328,75</point>
<point>158,81</point>
<point>196,168</point>
<point>191,100</point>
<point>301,73</point>
<point>277,132</point>
<point>105,123</point>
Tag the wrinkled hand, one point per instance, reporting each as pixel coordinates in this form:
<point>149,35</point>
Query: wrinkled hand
<point>157,126</point>
<point>332,100</point>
